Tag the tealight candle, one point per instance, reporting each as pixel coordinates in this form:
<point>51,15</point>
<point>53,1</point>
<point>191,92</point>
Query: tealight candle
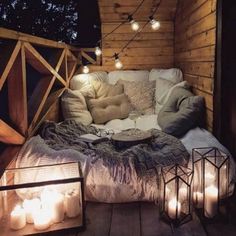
<point>198,199</point>
<point>174,207</point>
<point>211,197</point>
<point>17,218</point>
<point>31,206</point>
<point>42,219</point>
<point>72,203</point>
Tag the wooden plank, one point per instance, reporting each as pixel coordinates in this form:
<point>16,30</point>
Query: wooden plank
<point>125,220</point>
<point>40,64</point>
<point>98,219</point>
<point>10,64</point>
<point>10,135</point>
<point>7,157</point>
<point>151,224</point>
<point>17,94</point>
<point>86,56</point>
<point>11,34</point>
<point>192,228</point>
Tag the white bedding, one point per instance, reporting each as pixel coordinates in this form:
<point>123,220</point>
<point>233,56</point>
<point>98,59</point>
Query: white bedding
<point>100,185</point>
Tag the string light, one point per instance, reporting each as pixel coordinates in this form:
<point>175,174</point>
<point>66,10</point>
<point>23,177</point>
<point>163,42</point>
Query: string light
<point>155,24</point>
<point>98,51</point>
<point>118,63</point>
<point>85,69</point>
<point>134,24</point>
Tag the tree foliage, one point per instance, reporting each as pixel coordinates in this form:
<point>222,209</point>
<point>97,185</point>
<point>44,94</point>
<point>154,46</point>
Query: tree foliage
<point>54,19</point>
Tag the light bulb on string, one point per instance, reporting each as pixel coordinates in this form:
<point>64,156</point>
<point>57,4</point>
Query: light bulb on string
<point>98,51</point>
<point>85,69</point>
<point>155,24</point>
<point>134,24</point>
<point>118,63</point>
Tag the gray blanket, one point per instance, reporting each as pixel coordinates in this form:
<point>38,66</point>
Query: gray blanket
<point>147,159</point>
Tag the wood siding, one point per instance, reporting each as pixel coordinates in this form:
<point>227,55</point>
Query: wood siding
<point>150,49</point>
<point>194,47</point>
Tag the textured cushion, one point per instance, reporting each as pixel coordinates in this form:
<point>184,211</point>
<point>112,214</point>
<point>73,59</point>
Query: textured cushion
<point>103,89</point>
<point>83,82</point>
<point>109,108</point>
<point>141,95</point>
<point>74,107</point>
<point>174,75</point>
<point>182,112</point>
<point>128,75</point>
<point>164,89</point>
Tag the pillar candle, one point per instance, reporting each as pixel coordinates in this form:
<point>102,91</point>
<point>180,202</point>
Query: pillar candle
<point>211,198</point>
<point>17,218</point>
<point>172,208</point>
<point>53,201</point>
<point>198,199</point>
<point>31,206</point>
<point>42,219</point>
<point>72,203</point>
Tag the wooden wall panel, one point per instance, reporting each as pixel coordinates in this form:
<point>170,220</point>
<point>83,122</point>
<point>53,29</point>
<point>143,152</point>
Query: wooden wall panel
<point>194,47</point>
<point>150,48</point>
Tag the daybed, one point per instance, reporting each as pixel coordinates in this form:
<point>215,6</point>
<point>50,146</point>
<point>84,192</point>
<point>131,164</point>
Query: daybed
<point>122,176</point>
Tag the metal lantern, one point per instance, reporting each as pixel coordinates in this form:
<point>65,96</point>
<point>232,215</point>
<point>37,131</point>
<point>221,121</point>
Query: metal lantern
<point>211,179</point>
<point>42,199</point>
<point>175,194</point>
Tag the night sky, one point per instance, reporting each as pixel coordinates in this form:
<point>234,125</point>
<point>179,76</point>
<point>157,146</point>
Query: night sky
<point>75,22</point>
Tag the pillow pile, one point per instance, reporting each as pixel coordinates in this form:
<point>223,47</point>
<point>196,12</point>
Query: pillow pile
<point>181,112</point>
<point>74,107</point>
<point>140,94</point>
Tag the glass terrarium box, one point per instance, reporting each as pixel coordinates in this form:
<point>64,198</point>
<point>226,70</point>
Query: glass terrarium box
<point>42,199</point>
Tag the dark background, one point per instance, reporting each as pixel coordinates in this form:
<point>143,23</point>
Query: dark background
<point>75,22</point>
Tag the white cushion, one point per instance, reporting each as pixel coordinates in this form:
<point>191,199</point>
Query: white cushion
<point>82,82</point>
<point>128,75</point>
<point>174,75</point>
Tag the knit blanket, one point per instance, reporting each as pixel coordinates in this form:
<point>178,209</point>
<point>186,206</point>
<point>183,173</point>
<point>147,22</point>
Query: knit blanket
<point>146,158</point>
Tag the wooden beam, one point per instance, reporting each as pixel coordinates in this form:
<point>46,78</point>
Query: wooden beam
<point>11,34</point>
<point>10,64</point>
<point>86,56</point>
<point>39,63</point>
<point>9,135</point>
<point>17,94</point>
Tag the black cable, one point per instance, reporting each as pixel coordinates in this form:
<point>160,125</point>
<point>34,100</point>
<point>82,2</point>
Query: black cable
<point>123,22</point>
<point>156,9</point>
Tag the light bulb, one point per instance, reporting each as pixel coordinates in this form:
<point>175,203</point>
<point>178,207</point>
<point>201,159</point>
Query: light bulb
<point>85,70</point>
<point>155,24</point>
<point>98,51</point>
<point>118,64</point>
<point>134,25</point>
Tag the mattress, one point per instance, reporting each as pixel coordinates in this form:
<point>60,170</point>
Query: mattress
<point>100,185</point>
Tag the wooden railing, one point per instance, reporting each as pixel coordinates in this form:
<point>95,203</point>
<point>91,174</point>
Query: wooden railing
<point>26,114</point>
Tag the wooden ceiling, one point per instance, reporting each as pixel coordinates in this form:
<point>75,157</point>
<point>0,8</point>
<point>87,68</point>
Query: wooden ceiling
<point>117,10</point>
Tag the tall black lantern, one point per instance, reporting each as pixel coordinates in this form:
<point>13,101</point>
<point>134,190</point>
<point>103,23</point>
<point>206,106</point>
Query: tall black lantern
<point>211,179</point>
<point>175,194</point>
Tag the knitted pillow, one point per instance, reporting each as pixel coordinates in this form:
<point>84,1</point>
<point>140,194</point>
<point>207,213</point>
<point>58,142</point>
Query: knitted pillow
<point>141,95</point>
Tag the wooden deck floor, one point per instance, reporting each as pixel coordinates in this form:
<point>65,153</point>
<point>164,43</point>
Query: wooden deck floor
<point>142,219</point>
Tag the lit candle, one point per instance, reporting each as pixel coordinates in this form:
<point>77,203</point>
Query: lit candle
<point>211,198</point>
<point>174,207</point>
<point>53,201</point>
<point>17,218</point>
<point>42,219</point>
<point>209,179</point>
<point>198,199</point>
<point>31,206</point>
<point>183,193</point>
<point>72,203</point>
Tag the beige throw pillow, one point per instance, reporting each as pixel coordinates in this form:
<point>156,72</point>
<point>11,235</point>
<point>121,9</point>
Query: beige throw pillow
<point>74,107</point>
<point>109,108</point>
<point>103,89</point>
<point>141,95</point>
